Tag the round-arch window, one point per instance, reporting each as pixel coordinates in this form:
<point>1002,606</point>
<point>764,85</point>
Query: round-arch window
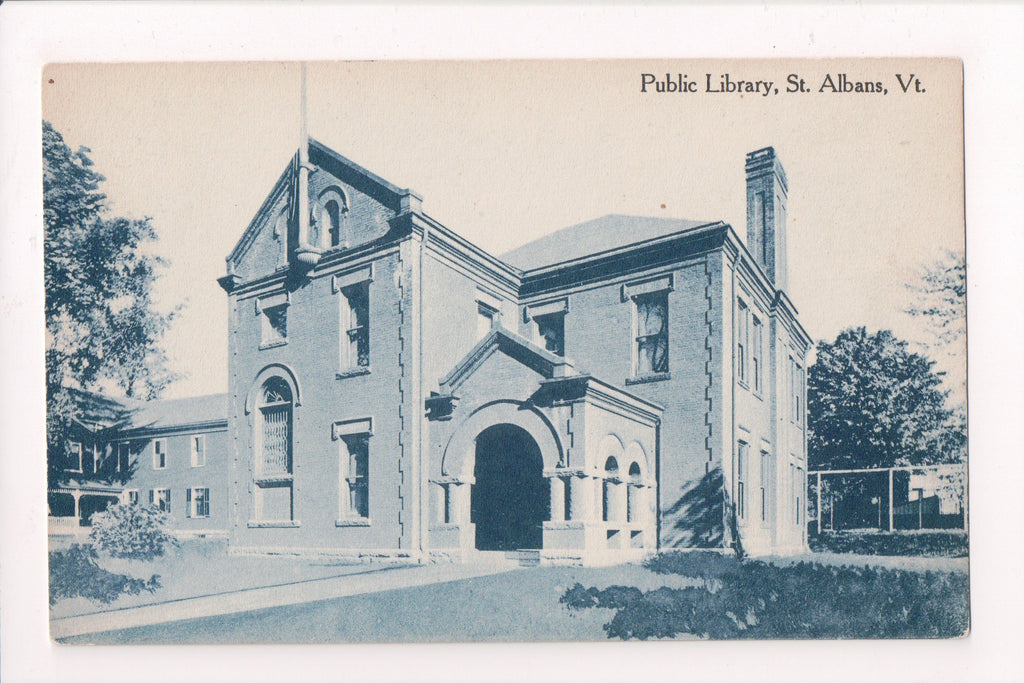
<point>611,465</point>
<point>275,412</point>
<point>331,217</point>
<point>634,472</point>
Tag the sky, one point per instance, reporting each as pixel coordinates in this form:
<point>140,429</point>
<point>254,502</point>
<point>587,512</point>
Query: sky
<point>503,152</point>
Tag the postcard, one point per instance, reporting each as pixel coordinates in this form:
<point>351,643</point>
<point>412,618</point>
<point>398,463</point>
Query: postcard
<point>505,351</point>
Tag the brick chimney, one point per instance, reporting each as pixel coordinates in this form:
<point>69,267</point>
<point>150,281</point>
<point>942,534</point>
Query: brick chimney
<point>766,213</point>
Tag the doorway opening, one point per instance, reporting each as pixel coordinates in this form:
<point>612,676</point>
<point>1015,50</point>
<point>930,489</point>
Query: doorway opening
<point>511,499</point>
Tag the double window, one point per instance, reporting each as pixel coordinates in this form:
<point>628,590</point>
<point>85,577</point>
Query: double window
<point>197,502</point>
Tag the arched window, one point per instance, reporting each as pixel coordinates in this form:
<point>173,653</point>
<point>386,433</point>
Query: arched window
<point>331,216</point>
<point>633,493</point>
<point>331,208</point>
<point>275,429</point>
<point>611,471</point>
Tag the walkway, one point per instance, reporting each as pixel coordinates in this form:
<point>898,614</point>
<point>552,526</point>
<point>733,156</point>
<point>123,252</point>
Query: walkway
<point>375,579</point>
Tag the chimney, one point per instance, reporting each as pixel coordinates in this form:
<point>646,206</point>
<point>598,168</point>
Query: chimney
<point>766,213</point>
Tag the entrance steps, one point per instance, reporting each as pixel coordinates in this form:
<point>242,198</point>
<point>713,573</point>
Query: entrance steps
<point>524,558</point>
<point>505,558</point>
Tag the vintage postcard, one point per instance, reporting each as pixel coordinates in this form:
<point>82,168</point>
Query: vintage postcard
<point>462,351</point>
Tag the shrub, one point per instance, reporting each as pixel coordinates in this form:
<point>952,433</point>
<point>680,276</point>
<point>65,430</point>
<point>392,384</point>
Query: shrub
<point>913,543</point>
<point>759,600</point>
<point>74,573</point>
<point>133,532</point>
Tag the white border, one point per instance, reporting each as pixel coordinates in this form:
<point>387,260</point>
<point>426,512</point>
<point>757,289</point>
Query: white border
<point>988,39</point>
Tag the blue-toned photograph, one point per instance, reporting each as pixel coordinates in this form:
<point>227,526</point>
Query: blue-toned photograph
<point>348,352</point>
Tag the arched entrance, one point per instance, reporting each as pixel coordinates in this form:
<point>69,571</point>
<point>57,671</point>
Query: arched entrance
<point>511,499</point>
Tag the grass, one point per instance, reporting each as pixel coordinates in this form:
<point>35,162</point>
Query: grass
<point>753,599</point>
<point>902,543</point>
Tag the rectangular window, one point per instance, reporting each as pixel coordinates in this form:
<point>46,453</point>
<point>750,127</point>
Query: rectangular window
<point>796,390</point>
<point>160,499</point>
<point>197,449</point>
<point>276,441</point>
<point>355,463</point>
<point>484,319</point>
<point>797,495</point>
<point>551,331</point>
<point>197,502</point>
<point>651,316</point>
<point>131,496</point>
<point>742,343</point>
<point>356,322</point>
<point>741,480</point>
<point>124,458</point>
<point>755,355</point>
<point>275,325</point>
<point>159,454</point>
<point>766,468</point>
<point>75,457</point>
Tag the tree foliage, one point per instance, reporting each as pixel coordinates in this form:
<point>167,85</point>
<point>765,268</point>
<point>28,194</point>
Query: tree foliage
<point>873,403</point>
<point>940,297</point>
<point>101,325</point>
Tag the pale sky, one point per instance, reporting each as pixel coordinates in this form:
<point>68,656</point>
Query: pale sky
<point>505,152</point>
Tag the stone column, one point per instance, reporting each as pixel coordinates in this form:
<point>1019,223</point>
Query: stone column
<point>557,498</point>
<point>581,497</point>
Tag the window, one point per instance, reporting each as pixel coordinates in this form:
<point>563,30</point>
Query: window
<point>356,489</point>
<point>742,343</point>
<point>275,325</point>
<point>796,390</point>
<point>766,468</point>
<point>197,448</point>
<point>651,315</point>
<point>160,499</point>
<point>131,496</point>
<point>798,476</point>
<point>331,216</point>
<point>611,471</point>
<point>329,213</point>
<point>741,480</point>
<point>551,330</point>
<point>275,437</point>
<point>755,355</point>
<point>75,457</point>
<point>633,493</point>
<point>159,454</point>
<point>197,502</point>
<point>356,321</point>
<point>484,319</point>
<point>124,458</point>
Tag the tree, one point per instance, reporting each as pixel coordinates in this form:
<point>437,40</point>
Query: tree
<point>101,325</point>
<point>871,402</point>
<point>940,300</point>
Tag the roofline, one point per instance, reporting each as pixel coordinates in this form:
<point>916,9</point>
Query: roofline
<point>195,425</point>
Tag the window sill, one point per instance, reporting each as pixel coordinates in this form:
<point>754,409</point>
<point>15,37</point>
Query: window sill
<point>354,521</point>
<point>273,345</point>
<point>271,481</point>
<point>282,524</point>
<point>195,467</point>
<point>649,377</point>
<point>353,372</point>
<point>743,383</point>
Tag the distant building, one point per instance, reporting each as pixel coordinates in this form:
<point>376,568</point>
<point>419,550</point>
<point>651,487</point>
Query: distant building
<point>619,386</point>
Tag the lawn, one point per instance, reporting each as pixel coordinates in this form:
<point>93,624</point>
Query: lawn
<point>688,595</point>
<point>201,567</point>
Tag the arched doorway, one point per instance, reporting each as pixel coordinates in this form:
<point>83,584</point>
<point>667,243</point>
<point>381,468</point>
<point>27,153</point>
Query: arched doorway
<point>511,498</point>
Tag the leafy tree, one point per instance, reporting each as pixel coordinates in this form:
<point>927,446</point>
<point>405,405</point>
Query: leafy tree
<point>871,402</point>
<point>101,325</point>
<point>940,297</point>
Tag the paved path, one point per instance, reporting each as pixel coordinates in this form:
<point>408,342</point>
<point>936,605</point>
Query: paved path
<point>375,579</point>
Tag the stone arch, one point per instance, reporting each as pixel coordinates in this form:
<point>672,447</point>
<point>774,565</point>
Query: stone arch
<point>460,453</point>
<point>273,370</point>
<point>635,453</point>
<point>610,447</point>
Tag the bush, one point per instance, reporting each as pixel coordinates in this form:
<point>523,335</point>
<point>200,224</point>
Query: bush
<point>134,532</point>
<point>74,573</point>
<point>912,543</point>
<point>759,600</point>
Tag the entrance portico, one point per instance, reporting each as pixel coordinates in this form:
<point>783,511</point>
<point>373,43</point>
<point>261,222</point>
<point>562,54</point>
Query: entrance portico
<point>528,453</point>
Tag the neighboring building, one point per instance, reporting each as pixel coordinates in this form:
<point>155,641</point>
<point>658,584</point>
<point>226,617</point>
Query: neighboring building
<point>619,386</point>
<point>169,454</point>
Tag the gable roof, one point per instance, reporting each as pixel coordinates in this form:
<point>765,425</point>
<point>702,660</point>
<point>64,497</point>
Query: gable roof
<point>594,237</point>
<point>195,410</point>
<point>544,362</point>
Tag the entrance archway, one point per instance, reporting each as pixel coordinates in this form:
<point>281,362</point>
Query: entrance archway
<point>511,498</point>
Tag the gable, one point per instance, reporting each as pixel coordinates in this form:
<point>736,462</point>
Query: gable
<point>348,207</point>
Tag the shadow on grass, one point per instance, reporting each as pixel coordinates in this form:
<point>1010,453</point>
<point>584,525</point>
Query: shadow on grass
<point>75,573</point>
<point>757,600</point>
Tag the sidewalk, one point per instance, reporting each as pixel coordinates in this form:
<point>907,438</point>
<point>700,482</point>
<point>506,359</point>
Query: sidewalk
<point>375,579</point>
